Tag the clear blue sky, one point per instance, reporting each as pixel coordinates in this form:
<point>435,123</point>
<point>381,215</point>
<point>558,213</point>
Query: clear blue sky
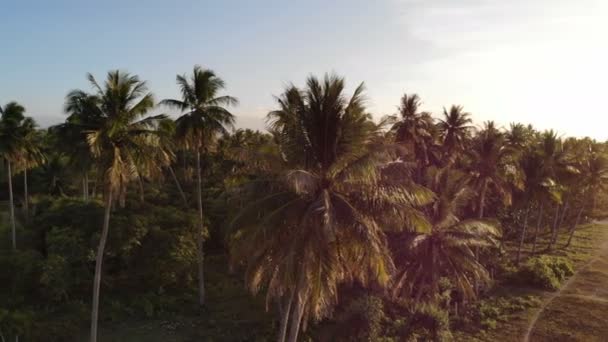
<point>541,62</point>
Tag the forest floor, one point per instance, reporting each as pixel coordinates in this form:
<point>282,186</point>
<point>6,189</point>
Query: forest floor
<point>576,312</point>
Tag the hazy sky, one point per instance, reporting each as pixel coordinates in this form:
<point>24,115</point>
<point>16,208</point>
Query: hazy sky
<point>543,62</point>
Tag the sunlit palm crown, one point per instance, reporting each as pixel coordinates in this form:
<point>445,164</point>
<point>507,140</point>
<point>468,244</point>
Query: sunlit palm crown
<point>115,124</point>
<point>415,128</point>
<point>318,216</point>
<point>205,109</point>
<point>455,128</point>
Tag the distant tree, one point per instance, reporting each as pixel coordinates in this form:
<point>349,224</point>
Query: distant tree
<point>206,116</point>
<point>70,137</point>
<point>454,130</point>
<point>491,167</point>
<point>415,129</point>
<point>14,127</point>
<point>32,155</point>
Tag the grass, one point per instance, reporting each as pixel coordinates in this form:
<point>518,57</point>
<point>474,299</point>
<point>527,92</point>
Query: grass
<point>565,318</point>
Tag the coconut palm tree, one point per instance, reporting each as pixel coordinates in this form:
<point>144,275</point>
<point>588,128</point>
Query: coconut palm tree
<point>12,136</point>
<point>447,249</point>
<point>205,117</point>
<point>592,180</point>
<point>491,166</point>
<point>539,189</point>
<point>415,129</point>
<point>312,222</point>
<point>454,129</point>
<point>84,115</point>
<point>31,155</point>
<point>120,131</point>
<point>518,136</point>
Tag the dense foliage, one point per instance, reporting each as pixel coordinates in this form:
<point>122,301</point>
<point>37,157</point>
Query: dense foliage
<point>354,229</point>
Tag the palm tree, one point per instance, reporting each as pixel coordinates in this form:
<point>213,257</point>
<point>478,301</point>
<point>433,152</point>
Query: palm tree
<point>415,129</point>
<point>11,147</point>
<point>447,249</point>
<point>518,136</point>
<point>206,116</point>
<point>594,178</point>
<point>491,166</point>
<point>84,115</point>
<point>454,129</point>
<point>120,131</point>
<point>312,222</point>
<point>538,189</point>
<point>31,155</point>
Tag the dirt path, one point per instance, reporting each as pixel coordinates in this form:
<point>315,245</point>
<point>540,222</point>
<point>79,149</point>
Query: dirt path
<point>579,310</point>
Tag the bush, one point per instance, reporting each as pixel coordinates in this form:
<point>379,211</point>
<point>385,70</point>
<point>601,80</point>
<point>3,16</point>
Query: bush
<point>546,272</point>
<point>488,312</point>
<point>361,320</point>
<point>429,323</point>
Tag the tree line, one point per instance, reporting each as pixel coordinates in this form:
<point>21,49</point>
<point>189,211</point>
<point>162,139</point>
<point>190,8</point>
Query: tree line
<point>325,198</point>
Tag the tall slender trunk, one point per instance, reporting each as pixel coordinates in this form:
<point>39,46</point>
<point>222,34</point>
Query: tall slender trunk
<point>482,200</point>
<point>200,251</point>
<point>563,216</point>
<point>574,224</point>
<point>86,186</point>
<point>141,188</point>
<point>11,204</point>
<point>482,197</point>
<point>285,311</point>
<point>554,228</point>
<point>523,233</point>
<point>26,196</point>
<point>301,296</point>
<point>84,189</point>
<point>179,187</point>
<point>538,224</point>
<point>98,263</point>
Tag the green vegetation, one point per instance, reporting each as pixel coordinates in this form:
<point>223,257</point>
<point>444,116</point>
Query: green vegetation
<point>329,227</point>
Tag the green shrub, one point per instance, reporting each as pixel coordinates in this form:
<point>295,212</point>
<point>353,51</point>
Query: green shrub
<point>546,272</point>
<point>488,312</point>
<point>429,323</point>
<point>361,320</point>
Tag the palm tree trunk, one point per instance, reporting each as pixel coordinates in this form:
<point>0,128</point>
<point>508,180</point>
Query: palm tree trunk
<point>482,200</point>
<point>11,204</point>
<point>296,315</point>
<point>523,234</point>
<point>482,197</point>
<point>84,189</point>
<point>594,205</point>
<point>300,295</point>
<point>141,188</point>
<point>26,201</point>
<point>538,224</point>
<point>86,186</point>
<point>574,224</point>
<point>179,187</point>
<point>554,228</point>
<point>98,263</point>
<point>200,251</point>
<point>564,210</point>
<point>285,311</point>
